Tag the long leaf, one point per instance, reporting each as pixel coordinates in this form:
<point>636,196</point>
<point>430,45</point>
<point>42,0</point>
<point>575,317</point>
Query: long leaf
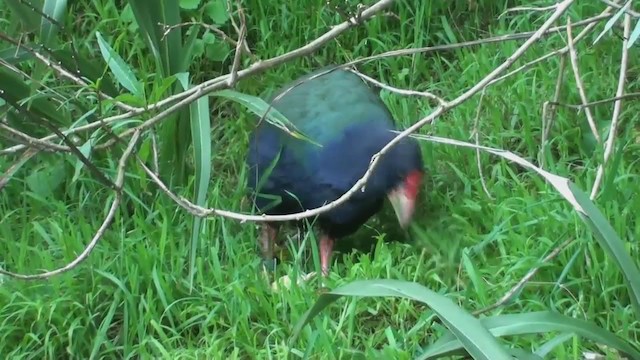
<point>201,134</point>
<point>54,9</point>
<point>152,17</point>
<point>634,35</point>
<point>259,107</point>
<point>475,338</point>
<point>541,322</point>
<point>121,71</point>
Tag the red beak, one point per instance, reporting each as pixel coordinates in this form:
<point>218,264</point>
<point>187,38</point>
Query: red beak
<point>403,198</point>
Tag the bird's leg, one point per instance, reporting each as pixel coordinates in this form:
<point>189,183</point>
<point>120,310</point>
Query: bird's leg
<point>326,249</point>
<point>268,233</point>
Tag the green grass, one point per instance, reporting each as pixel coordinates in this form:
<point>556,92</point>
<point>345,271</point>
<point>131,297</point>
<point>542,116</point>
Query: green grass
<point>131,298</point>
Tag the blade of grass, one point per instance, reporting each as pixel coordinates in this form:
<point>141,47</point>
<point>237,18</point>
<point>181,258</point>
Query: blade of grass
<point>475,338</point>
<point>534,323</point>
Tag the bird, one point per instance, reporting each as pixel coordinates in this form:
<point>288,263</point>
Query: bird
<point>345,123</point>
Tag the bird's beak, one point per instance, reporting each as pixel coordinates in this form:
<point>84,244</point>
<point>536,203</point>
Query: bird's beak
<point>403,205</point>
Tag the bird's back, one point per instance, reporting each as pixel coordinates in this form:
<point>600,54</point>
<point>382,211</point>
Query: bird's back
<point>347,121</point>
<point>324,104</point>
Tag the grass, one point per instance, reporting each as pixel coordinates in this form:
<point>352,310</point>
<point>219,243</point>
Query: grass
<point>131,298</point>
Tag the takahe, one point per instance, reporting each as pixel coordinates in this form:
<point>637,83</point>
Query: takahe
<point>348,123</point>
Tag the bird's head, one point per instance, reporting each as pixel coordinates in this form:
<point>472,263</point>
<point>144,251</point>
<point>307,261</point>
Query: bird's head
<point>405,168</point>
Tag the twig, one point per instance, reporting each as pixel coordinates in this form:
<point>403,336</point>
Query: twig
<point>476,135</point>
<point>617,108</point>
<point>396,90</point>
<point>573,55</point>
<point>527,8</point>
<point>242,32</point>
<point>74,149</point>
<point>547,121</point>
<point>32,142</point>
<point>579,107</point>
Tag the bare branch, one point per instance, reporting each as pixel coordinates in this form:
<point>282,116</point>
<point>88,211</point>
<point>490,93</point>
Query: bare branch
<point>573,55</point>
<point>396,90</point>
<point>617,108</point>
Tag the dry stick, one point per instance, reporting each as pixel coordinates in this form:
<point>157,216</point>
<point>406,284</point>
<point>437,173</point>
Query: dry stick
<point>516,289</point>
<point>32,142</point>
<point>579,107</point>
<point>203,212</point>
<point>547,122</point>
<point>476,134</point>
<point>617,108</point>
<point>220,82</point>
<point>101,230</point>
<point>242,32</point>
<point>396,90</point>
<point>527,8</point>
<point>573,55</point>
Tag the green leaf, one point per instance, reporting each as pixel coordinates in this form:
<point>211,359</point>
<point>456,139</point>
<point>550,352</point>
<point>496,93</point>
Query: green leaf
<point>613,20</point>
<point>54,9</point>
<point>190,46</point>
<point>533,323</point>
<point>218,51</point>
<point>475,338</point>
<point>189,4</point>
<point>89,68</point>
<point>14,55</point>
<point>119,68</point>
<point>151,16</point>
<point>259,107</point>
<point>610,241</point>
<point>216,10</point>
<point>547,347</point>
<point>634,35</point>
<point>46,180</point>
<point>201,136</point>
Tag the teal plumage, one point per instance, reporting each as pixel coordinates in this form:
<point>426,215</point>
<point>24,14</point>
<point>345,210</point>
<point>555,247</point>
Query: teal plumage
<point>347,124</point>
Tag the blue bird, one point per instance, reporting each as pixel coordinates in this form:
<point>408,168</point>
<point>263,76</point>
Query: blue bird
<point>347,124</point>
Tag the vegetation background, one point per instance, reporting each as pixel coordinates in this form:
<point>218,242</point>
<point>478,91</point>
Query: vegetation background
<point>158,282</point>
